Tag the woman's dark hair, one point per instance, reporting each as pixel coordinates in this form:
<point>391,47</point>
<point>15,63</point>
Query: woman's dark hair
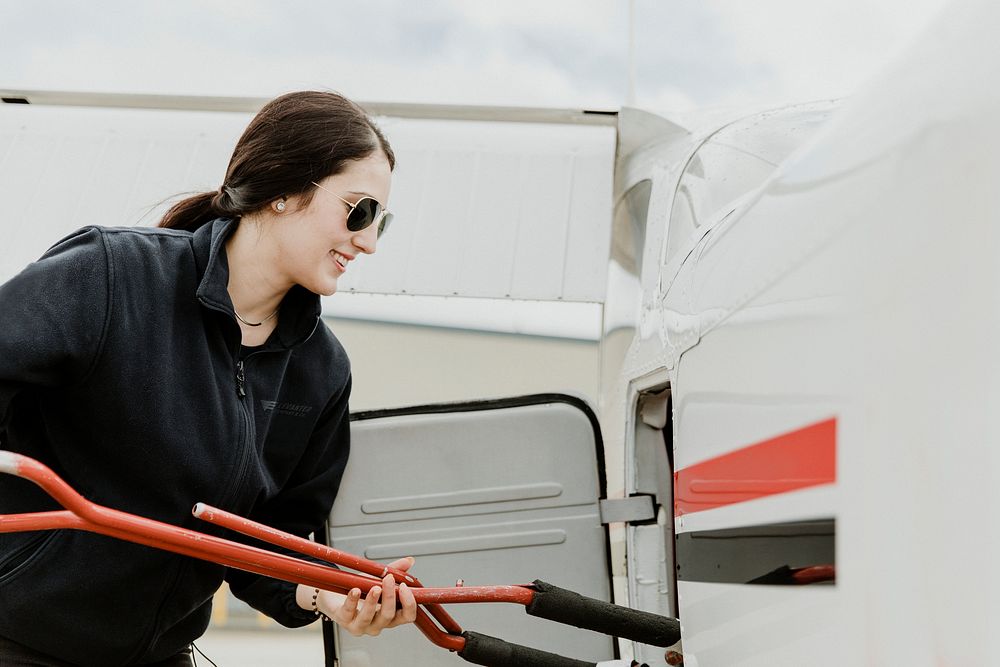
<point>295,139</point>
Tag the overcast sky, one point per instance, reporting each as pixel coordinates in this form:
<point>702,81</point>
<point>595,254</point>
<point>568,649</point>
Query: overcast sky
<point>689,54</point>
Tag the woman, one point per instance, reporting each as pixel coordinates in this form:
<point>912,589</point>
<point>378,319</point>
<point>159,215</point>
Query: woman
<point>153,368</point>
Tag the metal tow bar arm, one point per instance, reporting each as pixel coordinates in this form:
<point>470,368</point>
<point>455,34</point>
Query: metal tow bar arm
<point>540,599</point>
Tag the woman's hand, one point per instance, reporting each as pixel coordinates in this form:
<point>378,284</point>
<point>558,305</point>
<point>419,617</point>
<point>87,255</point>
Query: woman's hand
<point>378,609</point>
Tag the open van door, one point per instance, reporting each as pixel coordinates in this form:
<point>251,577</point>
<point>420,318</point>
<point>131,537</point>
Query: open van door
<point>490,492</point>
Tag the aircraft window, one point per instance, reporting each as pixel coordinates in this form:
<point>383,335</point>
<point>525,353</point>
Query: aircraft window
<point>682,216</point>
<point>724,174</point>
<point>629,231</point>
<point>736,160</point>
<point>715,177</point>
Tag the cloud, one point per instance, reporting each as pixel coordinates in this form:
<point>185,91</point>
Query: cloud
<point>438,51</point>
<point>812,50</point>
<point>565,53</point>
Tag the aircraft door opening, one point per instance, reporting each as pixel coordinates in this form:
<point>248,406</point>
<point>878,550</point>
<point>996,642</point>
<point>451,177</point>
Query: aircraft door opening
<point>650,543</point>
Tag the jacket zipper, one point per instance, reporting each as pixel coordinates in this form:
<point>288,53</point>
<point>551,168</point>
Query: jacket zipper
<point>241,387</point>
<point>247,442</point>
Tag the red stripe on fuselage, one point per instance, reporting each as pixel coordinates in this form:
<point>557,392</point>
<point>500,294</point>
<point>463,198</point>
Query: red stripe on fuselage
<point>797,460</point>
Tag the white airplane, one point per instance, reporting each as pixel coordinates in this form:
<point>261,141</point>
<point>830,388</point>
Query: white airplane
<point>793,449</point>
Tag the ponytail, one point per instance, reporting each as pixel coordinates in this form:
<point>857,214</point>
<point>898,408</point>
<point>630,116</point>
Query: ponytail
<point>191,213</point>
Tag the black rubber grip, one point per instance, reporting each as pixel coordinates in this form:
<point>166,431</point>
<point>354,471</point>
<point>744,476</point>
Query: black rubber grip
<point>485,650</point>
<point>558,604</point>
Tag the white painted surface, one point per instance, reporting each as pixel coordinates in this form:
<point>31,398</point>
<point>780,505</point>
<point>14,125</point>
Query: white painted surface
<point>859,282</point>
<point>557,319</point>
<point>724,624</point>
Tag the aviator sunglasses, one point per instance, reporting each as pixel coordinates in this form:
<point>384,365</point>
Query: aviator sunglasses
<point>363,213</point>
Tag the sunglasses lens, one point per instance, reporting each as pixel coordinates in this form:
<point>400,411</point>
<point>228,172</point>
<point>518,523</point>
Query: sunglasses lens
<point>383,225</point>
<point>363,214</point>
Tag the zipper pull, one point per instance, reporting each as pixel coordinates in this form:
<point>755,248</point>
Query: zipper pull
<point>240,380</point>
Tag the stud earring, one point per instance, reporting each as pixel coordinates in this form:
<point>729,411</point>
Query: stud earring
<point>280,206</point>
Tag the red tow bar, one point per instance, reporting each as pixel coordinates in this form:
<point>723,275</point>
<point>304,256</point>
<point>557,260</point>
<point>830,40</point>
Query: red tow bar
<point>539,598</point>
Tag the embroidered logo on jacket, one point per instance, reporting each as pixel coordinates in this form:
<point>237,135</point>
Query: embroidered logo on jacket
<point>287,408</point>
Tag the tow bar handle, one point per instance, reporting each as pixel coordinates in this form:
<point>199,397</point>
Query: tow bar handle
<point>563,606</point>
<point>485,650</point>
<point>540,599</point>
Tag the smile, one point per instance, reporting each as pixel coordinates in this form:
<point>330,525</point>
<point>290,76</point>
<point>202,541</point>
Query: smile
<point>340,260</point>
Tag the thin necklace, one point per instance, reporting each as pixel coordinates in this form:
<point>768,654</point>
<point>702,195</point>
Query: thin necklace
<point>256,324</point>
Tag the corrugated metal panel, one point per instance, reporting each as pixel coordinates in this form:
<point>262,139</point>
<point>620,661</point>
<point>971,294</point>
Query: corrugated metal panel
<point>484,209</point>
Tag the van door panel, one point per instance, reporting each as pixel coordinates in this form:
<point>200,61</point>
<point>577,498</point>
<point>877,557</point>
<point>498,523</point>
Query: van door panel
<point>492,492</point>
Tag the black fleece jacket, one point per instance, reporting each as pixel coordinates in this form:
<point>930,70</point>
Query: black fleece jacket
<point>119,369</point>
